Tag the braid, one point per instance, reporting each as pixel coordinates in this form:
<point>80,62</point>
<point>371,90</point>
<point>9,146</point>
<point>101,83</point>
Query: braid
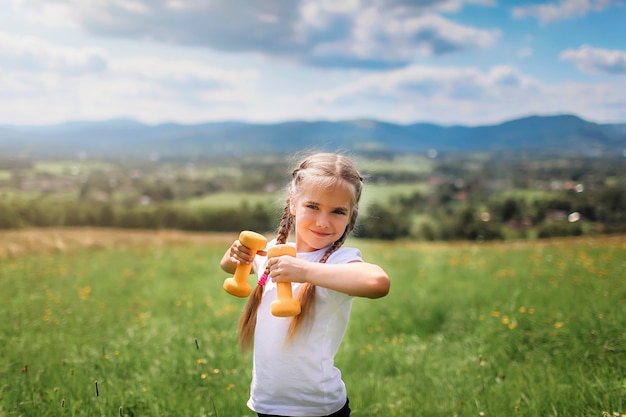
<point>247,321</point>
<point>286,224</point>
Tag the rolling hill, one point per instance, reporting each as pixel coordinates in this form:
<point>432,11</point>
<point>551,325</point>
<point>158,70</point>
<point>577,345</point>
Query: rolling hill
<point>128,138</point>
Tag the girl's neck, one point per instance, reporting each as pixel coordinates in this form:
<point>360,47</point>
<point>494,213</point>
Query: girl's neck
<point>313,250</point>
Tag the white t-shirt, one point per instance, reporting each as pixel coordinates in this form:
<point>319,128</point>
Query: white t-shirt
<point>299,378</point>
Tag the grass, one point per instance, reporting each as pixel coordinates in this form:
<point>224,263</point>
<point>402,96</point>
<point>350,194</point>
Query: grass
<point>519,328</point>
<point>501,330</point>
<point>403,163</point>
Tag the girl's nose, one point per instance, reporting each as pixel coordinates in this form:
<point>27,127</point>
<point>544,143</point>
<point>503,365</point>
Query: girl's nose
<point>322,220</point>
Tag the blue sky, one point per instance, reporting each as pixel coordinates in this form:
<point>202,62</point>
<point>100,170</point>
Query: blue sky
<point>468,62</point>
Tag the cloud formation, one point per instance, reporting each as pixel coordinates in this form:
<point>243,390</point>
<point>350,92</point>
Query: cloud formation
<point>357,33</point>
<point>596,60</point>
<point>34,54</point>
<point>191,61</point>
<point>86,82</point>
<point>563,9</point>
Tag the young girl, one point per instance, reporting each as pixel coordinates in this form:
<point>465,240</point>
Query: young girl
<point>293,370</point>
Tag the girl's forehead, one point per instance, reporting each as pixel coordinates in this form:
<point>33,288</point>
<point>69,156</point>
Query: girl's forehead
<point>337,194</point>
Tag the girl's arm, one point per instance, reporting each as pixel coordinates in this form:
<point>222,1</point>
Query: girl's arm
<point>360,279</point>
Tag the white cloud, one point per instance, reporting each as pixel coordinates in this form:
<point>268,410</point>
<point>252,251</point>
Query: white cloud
<point>468,95</point>
<point>420,82</point>
<point>51,81</point>
<point>596,60</point>
<point>564,9</point>
<point>52,14</point>
<point>27,53</point>
<point>355,33</point>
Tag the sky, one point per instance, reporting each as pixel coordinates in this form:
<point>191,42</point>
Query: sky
<point>468,62</point>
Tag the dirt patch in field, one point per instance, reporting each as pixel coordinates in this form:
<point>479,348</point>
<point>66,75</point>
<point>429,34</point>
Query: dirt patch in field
<point>15,243</point>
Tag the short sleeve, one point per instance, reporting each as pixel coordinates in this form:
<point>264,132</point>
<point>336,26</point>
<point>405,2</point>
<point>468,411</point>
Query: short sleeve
<point>345,255</point>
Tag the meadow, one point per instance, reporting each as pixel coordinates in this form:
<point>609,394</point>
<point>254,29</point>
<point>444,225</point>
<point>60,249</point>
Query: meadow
<point>98,322</point>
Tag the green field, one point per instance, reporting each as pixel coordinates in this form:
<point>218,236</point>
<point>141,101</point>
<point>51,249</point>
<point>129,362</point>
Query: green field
<point>235,199</point>
<point>72,168</point>
<point>372,193</point>
<point>115,323</point>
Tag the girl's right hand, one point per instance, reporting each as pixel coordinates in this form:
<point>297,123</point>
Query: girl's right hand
<point>240,254</point>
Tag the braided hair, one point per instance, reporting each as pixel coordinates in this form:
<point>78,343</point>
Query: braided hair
<point>319,170</point>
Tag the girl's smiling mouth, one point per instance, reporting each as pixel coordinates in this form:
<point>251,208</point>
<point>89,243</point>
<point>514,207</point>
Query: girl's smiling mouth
<point>321,234</point>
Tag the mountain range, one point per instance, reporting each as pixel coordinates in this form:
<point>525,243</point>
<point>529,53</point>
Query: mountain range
<point>562,134</point>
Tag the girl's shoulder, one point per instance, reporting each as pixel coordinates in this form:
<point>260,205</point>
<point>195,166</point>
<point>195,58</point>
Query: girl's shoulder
<point>345,255</point>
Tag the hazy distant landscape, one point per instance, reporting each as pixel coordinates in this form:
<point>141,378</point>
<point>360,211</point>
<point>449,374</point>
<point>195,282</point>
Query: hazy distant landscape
<point>125,138</point>
<point>531,178</point>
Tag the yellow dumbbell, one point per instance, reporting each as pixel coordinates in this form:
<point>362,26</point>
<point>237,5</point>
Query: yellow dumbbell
<point>238,284</point>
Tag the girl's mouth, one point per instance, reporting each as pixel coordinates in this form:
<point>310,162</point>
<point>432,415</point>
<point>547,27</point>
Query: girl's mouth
<point>320,234</point>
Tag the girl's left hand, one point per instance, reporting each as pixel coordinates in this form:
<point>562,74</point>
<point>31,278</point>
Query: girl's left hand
<point>287,268</point>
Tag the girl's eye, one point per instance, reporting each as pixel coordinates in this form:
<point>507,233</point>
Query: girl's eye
<point>311,206</point>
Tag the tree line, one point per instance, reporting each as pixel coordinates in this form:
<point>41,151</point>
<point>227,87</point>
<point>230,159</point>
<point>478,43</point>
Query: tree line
<point>414,216</point>
<point>470,197</point>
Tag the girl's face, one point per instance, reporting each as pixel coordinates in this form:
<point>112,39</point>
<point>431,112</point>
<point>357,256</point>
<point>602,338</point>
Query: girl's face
<point>321,217</point>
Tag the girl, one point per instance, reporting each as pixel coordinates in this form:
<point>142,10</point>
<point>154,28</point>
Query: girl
<point>293,371</point>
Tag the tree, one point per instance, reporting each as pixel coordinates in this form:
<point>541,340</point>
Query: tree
<point>382,222</point>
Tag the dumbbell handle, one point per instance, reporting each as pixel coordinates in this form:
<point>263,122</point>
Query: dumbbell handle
<point>285,305</point>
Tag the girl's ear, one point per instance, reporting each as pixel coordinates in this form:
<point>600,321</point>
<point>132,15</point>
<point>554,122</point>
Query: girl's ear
<point>292,202</point>
<point>292,207</point>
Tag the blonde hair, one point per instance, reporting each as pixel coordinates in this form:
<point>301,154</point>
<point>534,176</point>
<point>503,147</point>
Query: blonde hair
<point>320,170</point>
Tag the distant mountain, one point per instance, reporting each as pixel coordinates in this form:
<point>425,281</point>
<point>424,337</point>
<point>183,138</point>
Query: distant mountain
<point>129,138</point>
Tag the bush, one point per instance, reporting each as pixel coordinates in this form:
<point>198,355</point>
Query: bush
<point>384,223</point>
<point>559,229</point>
<point>19,214</point>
